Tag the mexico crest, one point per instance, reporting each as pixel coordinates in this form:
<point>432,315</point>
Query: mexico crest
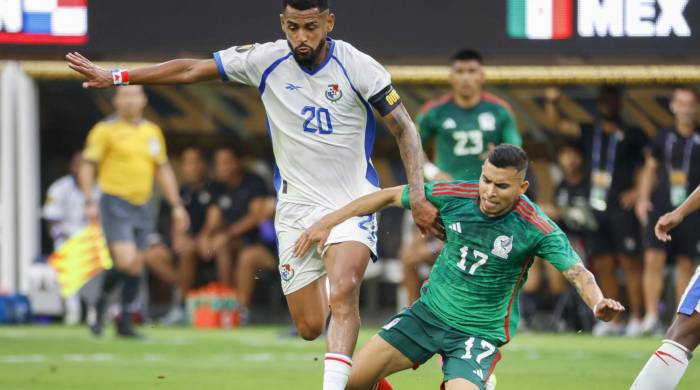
<point>502,246</point>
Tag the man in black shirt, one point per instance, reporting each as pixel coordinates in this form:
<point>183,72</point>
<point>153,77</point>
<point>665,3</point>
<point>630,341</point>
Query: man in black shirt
<point>674,164</point>
<point>197,194</point>
<point>614,152</point>
<point>571,211</point>
<point>242,204</point>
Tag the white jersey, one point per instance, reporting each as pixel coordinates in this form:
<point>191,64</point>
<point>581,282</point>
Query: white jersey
<point>321,124</point>
<point>65,206</point>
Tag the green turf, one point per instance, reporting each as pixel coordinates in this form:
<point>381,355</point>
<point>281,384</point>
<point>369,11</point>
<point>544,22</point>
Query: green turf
<point>260,359</point>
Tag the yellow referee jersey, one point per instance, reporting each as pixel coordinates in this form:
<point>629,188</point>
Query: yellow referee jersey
<point>127,156</point>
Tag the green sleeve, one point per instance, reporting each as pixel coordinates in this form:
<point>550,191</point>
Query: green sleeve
<point>442,196</point>
<point>509,129</point>
<point>556,249</point>
<point>425,126</point>
<point>404,198</point>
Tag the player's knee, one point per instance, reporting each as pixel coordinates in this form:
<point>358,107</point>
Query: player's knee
<point>310,330</point>
<point>343,293</point>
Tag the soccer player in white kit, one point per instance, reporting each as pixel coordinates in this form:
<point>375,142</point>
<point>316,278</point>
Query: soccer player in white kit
<point>666,366</point>
<point>318,94</point>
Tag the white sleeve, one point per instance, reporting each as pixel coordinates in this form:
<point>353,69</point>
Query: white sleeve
<point>246,64</point>
<point>371,76</point>
<point>53,210</point>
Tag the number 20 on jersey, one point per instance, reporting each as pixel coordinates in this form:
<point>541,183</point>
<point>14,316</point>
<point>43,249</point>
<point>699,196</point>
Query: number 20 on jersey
<point>317,119</point>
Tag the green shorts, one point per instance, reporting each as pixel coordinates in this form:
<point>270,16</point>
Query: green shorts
<point>418,334</point>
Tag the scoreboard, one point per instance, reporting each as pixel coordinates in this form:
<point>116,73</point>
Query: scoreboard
<point>45,22</point>
<point>409,32</point>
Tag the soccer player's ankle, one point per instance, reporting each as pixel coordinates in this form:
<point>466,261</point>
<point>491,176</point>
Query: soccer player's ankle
<point>336,371</point>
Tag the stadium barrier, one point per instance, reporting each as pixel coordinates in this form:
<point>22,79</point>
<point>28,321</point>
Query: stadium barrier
<point>556,74</point>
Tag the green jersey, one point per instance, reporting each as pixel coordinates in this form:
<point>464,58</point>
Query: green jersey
<point>462,136</point>
<point>476,279</point>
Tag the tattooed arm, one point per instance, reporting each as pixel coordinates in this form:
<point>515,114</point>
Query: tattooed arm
<point>404,130</point>
<point>604,309</point>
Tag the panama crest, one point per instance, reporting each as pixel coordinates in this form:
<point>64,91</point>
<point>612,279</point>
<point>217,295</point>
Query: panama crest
<point>334,93</point>
<point>286,272</point>
<point>502,246</point>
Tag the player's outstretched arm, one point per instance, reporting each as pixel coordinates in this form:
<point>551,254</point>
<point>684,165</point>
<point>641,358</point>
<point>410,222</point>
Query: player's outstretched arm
<point>670,220</point>
<point>402,127</point>
<point>604,309</point>
<point>368,204</point>
<point>180,71</point>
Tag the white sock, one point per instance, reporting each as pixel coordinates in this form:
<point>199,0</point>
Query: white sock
<point>336,371</point>
<point>665,367</point>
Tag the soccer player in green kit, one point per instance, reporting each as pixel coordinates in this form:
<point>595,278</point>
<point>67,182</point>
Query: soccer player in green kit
<point>462,127</point>
<point>465,124</point>
<point>468,308</point>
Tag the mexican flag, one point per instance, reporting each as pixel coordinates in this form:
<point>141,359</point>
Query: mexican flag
<point>540,19</point>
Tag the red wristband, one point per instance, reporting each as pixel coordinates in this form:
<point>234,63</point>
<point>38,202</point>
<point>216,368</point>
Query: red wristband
<point>120,77</point>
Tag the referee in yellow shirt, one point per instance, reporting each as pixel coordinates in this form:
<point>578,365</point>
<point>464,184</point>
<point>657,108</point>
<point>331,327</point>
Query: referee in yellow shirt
<point>127,152</point>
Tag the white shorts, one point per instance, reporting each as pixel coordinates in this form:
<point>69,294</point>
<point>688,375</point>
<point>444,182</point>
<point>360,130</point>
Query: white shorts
<point>292,219</point>
<point>690,302</point>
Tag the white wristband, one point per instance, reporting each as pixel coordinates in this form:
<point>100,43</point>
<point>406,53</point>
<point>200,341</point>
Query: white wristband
<point>430,170</point>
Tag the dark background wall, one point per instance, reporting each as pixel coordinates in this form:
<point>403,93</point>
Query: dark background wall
<point>396,31</point>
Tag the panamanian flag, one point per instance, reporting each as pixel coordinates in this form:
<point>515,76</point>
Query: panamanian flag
<point>44,21</point>
<point>540,19</point>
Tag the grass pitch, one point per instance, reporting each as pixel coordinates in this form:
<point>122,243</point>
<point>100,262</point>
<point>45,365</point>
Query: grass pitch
<point>259,358</point>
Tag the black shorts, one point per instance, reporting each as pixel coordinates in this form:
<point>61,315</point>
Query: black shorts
<point>685,238</point>
<point>618,233</point>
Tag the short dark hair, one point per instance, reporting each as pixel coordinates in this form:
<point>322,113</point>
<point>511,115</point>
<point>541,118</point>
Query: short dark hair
<point>303,5</point>
<point>688,88</point>
<point>508,156</point>
<point>467,55</point>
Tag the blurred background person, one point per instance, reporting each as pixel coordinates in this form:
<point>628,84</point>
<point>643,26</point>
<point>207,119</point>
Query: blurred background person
<point>240,207</point>
<point>461,127</point>
<point>175,256</point>
<point>671,171</point>
<point>570,209</point>
<point>260,255</point>
<point>613,156</point>
<point>126,153</point>
<point>64,212</point>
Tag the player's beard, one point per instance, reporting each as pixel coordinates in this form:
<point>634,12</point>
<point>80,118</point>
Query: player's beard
<point>307,60</point>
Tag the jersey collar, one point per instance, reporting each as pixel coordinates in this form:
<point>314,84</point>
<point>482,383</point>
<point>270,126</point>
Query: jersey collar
<point>317,69</point>
<point>486,217</point>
